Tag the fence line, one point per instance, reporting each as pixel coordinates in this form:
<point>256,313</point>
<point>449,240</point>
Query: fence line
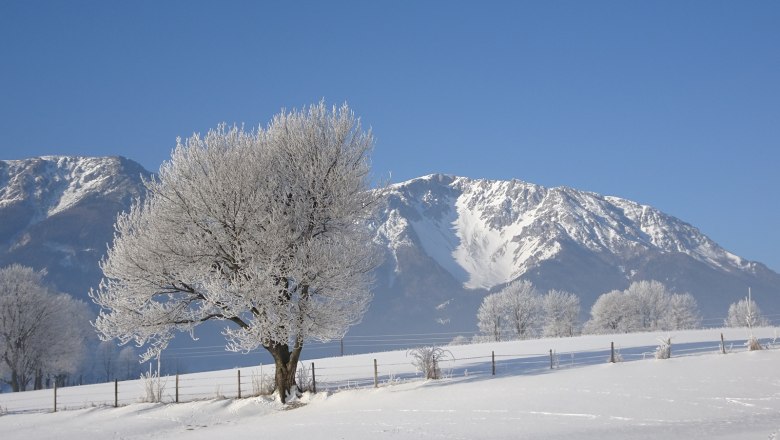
<point>254,381</point>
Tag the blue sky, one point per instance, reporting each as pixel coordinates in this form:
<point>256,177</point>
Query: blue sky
<point>673,104</point>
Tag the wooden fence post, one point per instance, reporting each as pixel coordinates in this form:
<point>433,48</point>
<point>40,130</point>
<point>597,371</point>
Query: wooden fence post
<point>116,393</point>
<point>551,359</point>
<point>493,361</point>
<point>239,384</point>
<point>313,379</point>
<point>376,375</point>
<point>612,352</point>
<point>177,387</point>
<point>55,396</point>
<point>722,344</point>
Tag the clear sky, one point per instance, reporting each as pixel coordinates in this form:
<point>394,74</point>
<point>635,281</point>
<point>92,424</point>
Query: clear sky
<point>673,104</point>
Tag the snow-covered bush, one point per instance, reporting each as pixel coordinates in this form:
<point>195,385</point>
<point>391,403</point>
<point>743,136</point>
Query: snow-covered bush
<point>153,386</point>
<point>753,344</point>
<point>664,350</point>
<point>427,360</point>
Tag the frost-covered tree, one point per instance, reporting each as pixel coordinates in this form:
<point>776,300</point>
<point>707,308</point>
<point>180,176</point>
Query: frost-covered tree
<point>262,229</point>
<point>608,314</point>
<point>513,312</point>
<point>649,304</point>
<point>745,313</point>
<point>683,313</point>
<point>643,306</point>
<point>561,313</point>
<point>523,308</point>
<point>490,318</point>
<point>42,333</point>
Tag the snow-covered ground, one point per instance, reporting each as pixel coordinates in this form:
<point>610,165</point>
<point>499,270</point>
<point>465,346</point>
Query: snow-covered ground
<point>696,394</point>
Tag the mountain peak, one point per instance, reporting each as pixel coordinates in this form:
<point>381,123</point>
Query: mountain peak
<point>485,233</point>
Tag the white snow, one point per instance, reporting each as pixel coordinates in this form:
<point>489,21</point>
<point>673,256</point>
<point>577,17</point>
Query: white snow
<point>696,394</point>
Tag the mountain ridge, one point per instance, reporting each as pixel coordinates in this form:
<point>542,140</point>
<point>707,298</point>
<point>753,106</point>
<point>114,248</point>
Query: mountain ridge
<point>485,233</point>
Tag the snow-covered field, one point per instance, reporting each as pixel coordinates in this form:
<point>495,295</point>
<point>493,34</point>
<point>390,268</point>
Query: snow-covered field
<point>696,394</point>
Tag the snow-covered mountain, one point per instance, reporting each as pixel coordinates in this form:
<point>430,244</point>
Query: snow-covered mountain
<point>58,213</point>
<point>448,240</point>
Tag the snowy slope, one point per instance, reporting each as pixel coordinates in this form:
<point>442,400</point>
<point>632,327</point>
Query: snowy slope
<point>706,395</point>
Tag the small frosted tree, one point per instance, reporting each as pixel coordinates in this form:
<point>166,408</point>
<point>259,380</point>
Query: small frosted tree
<point>561,313</point>
<point>745,313</point>
<point>263,230</point>
<point>683,313</point>
<point>42,333</point>
<point>649,303</point>
<point>522,307</point>
<point>609,314</point>
<point>490,318</point>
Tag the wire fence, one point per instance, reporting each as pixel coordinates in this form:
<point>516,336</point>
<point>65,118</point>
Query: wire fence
<point>357,344</point>
<point>334,374</point>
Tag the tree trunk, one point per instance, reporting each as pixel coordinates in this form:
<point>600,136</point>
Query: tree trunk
<point>286,362</point>
<point>38,383</point>
<point>15,382</point>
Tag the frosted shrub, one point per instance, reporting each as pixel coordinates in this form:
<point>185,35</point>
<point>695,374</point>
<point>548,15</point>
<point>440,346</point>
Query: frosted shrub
<point>427,360</point>
<point>753,344</point>
<point>664,351</point>
<point>154,385</point>
<point>459,340</point>
<point>304,379</point>
<point>262,384</point>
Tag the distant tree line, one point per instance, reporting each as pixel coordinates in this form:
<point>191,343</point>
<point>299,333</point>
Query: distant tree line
<point>520,311</point>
